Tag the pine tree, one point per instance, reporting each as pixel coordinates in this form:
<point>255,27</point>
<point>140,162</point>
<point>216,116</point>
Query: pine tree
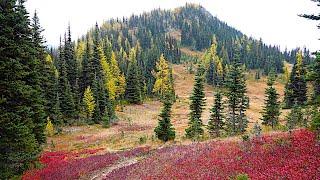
<point>296,88</point>
<point>66,99</point>
<point>164,131</point>
<point>271,111</point>
<point>97,94</point>
<point>86,68</point>
<point>216,121</point>
<point>71,64</point>
<point>133,89</point>
<point>315,78</point>
<point>89,102</point>
<point>21,102</point>
<point>197,99</point>
<point>238,101</point>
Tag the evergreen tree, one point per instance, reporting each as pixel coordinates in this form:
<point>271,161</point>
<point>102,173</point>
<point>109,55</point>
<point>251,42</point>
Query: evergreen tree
<point>133,89</point>
<point>164,131</point>
<point>71,64</point>
<point>197,99</point>
<point>216,121</point>
<point>271,111</point>
<point>86,68</point>
<point>21,103</point>
<point>98,95</point>
<point>315,78</point>
<point>296,88</point>
<point>66,99</point>
<point>238,101</point>
<point>295,117</point>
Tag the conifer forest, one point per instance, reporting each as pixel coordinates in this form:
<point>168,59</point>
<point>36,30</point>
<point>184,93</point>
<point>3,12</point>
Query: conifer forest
<point>165,94</point>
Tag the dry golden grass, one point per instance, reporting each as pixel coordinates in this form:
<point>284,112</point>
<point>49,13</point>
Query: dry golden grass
<point>137,121</point>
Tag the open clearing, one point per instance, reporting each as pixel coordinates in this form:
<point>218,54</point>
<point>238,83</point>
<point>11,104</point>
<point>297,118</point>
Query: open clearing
<point>136,122</point>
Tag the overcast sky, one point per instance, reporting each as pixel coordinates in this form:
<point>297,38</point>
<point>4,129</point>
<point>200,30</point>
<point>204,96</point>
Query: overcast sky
<point>275,21</point>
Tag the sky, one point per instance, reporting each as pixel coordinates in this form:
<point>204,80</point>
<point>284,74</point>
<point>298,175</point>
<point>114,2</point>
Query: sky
<point>275,21</point>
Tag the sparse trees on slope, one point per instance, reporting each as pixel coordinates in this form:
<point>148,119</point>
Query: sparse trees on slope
<point>271,111</point>
<point>165,131</point>
<point>216,122</point>
<point>197,99</point>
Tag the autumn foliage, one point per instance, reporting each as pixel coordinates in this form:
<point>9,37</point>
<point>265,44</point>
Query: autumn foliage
<point>277,156</point>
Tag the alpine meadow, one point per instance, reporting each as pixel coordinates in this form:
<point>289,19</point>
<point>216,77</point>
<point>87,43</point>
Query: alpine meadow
<point>171,93</point>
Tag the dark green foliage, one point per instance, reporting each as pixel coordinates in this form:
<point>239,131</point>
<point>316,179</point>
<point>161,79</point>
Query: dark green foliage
<point>66,97</point>
<point>315,123</point>
<point>71,64</point>
<point>238,101</point>
<point>296,88</point>
<point>86,68</point>
<point>197,99</point>
<point>257,75</point>
<point>165,131</point>
<point>210,74</point>
<point>295,118</point>
<point>21,102</point>
<point>315,78</point>
<point>216,121</point>
<point>99,94</point>
<point>271,111</point>
<point>133,89</point>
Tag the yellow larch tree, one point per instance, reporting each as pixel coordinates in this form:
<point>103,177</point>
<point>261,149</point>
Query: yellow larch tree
<point>89,102</point>
<point>163,85</point>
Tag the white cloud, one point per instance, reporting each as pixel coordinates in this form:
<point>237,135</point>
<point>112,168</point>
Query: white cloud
<point>275,21</point>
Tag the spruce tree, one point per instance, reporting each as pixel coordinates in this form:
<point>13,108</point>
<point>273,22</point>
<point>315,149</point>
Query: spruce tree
<point>165,131</point>
<point>238,101</point>
<point>197,99</point>
<point>21,104</point>
<point>66,97</point>
<point>133,89</point>
<point>296,88</point>
<point>216,122</point>
<point>271,111</point>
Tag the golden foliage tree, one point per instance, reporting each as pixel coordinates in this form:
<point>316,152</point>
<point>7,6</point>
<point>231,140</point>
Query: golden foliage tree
<point>89,102</point>
<point>49,128</point>
<point>163,84</point>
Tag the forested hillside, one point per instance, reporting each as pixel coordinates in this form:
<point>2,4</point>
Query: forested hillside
<point>132,65</point>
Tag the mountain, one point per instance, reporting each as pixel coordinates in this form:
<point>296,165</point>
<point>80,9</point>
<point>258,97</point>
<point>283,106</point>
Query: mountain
<point>190,26</point>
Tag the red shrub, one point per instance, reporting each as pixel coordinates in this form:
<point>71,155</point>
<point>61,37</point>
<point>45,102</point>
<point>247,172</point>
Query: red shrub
<point>278,156</point>
<point>63,165</point>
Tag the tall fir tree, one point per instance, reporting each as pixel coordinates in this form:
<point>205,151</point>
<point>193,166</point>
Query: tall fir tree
<point>195,130</point>
<point>133,88</point>
<point>271,111</point>
<point>86,67</point>
<point>216,122</point>
<point>66,97</point>
<point>21,103</point>
<point>296,88</point>
<point>238,101</point>
<point>165,131</point>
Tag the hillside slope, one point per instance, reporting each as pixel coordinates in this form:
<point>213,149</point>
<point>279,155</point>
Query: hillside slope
<point>138,121</point>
